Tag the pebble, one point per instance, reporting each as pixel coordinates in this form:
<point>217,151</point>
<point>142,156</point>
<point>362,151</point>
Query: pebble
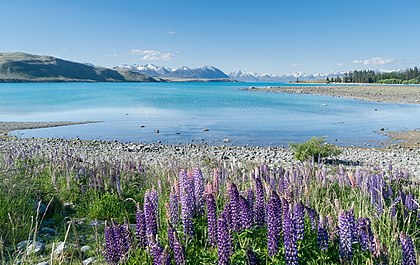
<point>88,261</point>
<point>35,248</point>
<point>85,249</point>
<point>47,231</point>
<point>190,153</point>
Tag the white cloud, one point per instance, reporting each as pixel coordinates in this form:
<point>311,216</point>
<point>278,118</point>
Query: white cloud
<point>171,32</point>
<point>340,64</point>
<point>377,61</point>
<point>153,55</point>
<point>296,64</point>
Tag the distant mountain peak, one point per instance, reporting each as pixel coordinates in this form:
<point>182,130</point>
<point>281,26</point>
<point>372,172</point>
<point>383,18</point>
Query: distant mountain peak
<point>247,76</point>
<point>205,72</point>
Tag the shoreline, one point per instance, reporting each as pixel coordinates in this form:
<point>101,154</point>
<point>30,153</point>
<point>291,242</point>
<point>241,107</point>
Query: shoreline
<point>405,94</point>
<point>8,126</point>
<point>403,150</point>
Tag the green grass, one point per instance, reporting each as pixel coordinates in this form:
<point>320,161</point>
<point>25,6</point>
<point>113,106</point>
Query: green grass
<point>73,200</point>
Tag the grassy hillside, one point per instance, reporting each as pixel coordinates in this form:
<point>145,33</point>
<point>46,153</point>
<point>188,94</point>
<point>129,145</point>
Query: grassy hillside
<point>23,67</point>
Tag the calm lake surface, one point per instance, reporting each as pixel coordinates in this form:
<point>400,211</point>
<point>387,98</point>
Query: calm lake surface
<point>180,111</point>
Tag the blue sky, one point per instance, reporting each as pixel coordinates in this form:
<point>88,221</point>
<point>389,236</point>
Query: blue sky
<point>262,36</point>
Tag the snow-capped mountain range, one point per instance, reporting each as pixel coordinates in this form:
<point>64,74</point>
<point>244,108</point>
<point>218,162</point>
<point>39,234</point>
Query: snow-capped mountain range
<point>246,76</point>
<point>205,72</point>
<point>211,72</point>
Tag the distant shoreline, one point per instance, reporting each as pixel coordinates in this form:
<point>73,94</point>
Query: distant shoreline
<point>8,126</point>
<point>376,93</point>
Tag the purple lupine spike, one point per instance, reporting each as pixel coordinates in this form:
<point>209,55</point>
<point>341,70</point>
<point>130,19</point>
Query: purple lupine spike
<point>322,234</point>
<point>290,246</point>
<point>179,251</point>
<point>156,250</point>
<point>223,241</point>
<point>364,233</point>
<point>174,208</point>
<point>259,207</point>
<point>247,218</point>
<point>410,202</point>
<point>125,237</point>
<point>109,253</point>
<point>408,252</point>
<point>198,191</point>
<point>352,224</point>
<point>212,219</point>
<point>154,199</point>
<point>150,218</point>
<point>116,239</point>
<point>234,208</point>
<point>299,220</point>
<point>165,257</point>
<point>393,210</point>
<point>273,222</point>
<point>171,231</point>
<point>187,204</point>
<point>250,197</point>
<point>251,257</point>
<point>140,228</point>
<point>346,236</point>
<point>313,216</point>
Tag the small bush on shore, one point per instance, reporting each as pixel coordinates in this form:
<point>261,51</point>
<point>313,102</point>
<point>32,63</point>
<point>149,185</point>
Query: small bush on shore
<point>314,148</point>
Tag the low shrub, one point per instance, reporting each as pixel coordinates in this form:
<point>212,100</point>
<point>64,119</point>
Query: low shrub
<point>314,148</point>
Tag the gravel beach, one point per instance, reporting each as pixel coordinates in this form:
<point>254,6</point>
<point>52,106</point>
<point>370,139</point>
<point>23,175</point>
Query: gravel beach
<point>404,154</point>
<point>378,93</point>
<point>398,156</point>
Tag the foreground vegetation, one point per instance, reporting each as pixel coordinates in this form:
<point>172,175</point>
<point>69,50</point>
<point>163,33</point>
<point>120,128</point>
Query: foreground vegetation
<point>229,213</point>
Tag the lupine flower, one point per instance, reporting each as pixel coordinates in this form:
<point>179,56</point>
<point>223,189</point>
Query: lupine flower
<point>223,241</point>
<point>393,210</point>
<point>234,208</point>
<point>174,208</point>
<point>251,258</point>
<point>125,236</point>
<point>110,255</point>
<point>364,233</point>
<point>171,239</point>
<point>259,211</point>
<point>313,216</point>
<point>198,190</point>
<point>140,228</point>
<point>187,204</point>
<point>290,247</point>
<point>247,218</point>
<point>322,234</point>
<point>379,252</point>
<point>212,219</point>
<point>408,252</point>
<point>156,250</point>
<point>117,242</point>
<point>273,222</point>
<point>165,257</point>
<point>411,203</point>
<point>250,198</point>
<point>345,224</point>
<point>179,251</point>
<point>299,220</point>
<point>150,218</point>
<point>116,239</point>
<point>154,199</point>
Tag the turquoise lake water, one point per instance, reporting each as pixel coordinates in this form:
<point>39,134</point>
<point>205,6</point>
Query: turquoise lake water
<point>180,111</point>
